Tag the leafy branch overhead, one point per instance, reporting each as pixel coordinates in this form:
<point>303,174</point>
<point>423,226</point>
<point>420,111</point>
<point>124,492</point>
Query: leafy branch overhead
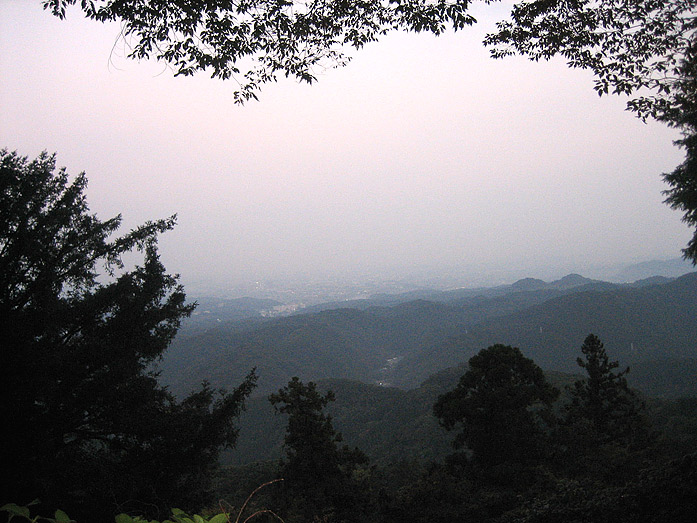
<point>642,48</point>
<point>629,46</point>
<point>254,41</point>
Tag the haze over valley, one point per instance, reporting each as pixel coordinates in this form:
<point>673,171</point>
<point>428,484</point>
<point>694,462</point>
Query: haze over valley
<point>400,338</point>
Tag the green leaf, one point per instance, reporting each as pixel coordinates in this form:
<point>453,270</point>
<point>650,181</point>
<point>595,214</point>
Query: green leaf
<point>123,518</point>
<point>219,518</point>
<point>62,517</point>
<point>15,510</point>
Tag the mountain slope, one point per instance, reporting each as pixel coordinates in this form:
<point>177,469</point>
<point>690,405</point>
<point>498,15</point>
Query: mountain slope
<point>403,344</point>
<point>636,324</point>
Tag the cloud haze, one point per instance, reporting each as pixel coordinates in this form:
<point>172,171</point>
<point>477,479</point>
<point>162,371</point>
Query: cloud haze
<point>423,152</point>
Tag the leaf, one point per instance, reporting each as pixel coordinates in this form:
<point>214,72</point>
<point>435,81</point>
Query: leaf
<point>62,517</point>
<point>15,510</point>
<point>123,518</point>
<point>219,518</point>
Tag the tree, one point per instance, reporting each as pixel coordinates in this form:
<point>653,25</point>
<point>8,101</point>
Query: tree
<point>603,408</point>
<point>87,426</point>
<point>629,46</point>
<point>647,47</point>
<point>255,41</point>
<point>317,474</point>
<point>500,405</point>
<point>681,113</point>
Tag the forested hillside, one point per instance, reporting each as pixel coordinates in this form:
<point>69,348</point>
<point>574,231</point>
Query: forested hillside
<point>640,324</point>
<point>402,345</point>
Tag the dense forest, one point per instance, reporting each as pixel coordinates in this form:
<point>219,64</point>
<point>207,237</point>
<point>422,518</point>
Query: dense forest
<point>403,344</point>
<point>570,401</point>
<point>380,412</point>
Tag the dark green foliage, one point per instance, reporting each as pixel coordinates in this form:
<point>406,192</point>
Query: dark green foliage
<point>318,476</point>
<point>628,45</point>
<point>662,493</point>
<point>458,490</point>
<point>387,424</point>
<point>604,434</point>
<point>87,426</point>
<point>256,41</point>
<point>501,406</point>
<point>681,113</point>
<point>603,409</point>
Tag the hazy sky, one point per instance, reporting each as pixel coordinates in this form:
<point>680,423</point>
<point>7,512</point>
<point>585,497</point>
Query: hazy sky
<point>423,152</point>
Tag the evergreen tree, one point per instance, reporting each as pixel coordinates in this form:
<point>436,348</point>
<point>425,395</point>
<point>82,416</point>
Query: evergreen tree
<point>318,475</point>
<point>87,426</point>
<point>501,405</point>
<point>603,408</point>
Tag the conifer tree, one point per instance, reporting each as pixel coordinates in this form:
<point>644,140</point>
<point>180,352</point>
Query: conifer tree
<point>603,408</point>
<point>86,425</point>
<point>317,473</point>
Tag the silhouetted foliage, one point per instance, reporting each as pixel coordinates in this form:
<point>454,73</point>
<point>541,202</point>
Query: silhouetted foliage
<point>87,426</point>
<point>662,493</point>
<point>318,475</point>
<point>629,46</point>
<point>681,113</point>
<point>501,405</point>
<point>253,42</point>
<point>641,46</point>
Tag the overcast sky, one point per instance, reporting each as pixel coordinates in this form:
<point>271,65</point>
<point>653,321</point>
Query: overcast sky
<point>423,152</point>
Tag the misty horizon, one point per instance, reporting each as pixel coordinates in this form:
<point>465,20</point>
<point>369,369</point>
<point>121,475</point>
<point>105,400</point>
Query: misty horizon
<point>423,154</point>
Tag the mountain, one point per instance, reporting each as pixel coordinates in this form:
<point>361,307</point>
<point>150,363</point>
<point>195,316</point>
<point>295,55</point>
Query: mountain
<point>636,324</point>
<point>667,268</point>
<point>405,343</point>
<point>341,343</point>
<point>211,312</point>
<point>569,282</point>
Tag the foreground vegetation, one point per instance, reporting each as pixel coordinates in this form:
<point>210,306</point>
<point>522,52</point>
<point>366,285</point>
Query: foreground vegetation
<point>93,433</point>
<point>524,451</point>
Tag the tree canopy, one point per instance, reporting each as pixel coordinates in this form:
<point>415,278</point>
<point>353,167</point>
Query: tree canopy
<point>254,41</point>
<point>317,473</point>
<point>88,426</point>
<point>493,404</point>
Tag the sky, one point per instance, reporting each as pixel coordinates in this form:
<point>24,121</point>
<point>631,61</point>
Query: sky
<point>422,154</point>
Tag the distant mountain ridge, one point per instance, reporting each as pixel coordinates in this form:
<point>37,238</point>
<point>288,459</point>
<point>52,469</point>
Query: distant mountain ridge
<point>636,323</point>
<point>567,283</point>
<point>403,343</point>
<point>673,268</point>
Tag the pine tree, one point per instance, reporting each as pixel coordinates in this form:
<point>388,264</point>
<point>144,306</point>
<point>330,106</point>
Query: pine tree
<point>603,407</point>
<point>317,473</point>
